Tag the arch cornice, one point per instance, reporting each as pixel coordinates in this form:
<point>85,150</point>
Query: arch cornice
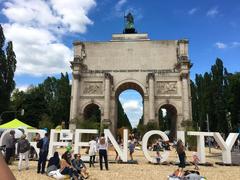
<point>168,102</point>
<point>130,81</point>
<point>91,102</point>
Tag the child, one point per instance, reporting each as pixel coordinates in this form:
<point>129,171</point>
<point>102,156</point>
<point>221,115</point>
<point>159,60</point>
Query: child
<point>131,148</point>
<point>195,161</point>
<point>158,156</point>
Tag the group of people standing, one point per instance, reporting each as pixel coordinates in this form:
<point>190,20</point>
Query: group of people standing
<point>70,164</point>
<point>23,147</point>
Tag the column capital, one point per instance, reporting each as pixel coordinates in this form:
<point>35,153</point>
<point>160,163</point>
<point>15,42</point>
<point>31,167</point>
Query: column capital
<point>150,76</point>
<point>184,75</point>
<point>76,75</point>
<point>108,76</point>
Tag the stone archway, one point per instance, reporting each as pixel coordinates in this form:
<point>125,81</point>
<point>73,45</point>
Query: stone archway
<point>158,70</point>
<point>167,116</point>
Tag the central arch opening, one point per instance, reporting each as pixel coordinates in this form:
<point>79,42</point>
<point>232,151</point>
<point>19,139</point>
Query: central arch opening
<point>168,120</point>
<point>129,105</point>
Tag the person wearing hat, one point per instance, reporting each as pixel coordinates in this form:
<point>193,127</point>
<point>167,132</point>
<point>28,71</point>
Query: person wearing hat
<point>23,150</point>
<point>10,146</point>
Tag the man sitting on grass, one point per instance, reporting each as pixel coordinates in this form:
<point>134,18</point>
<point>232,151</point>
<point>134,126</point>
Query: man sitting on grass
<point>79,165</point>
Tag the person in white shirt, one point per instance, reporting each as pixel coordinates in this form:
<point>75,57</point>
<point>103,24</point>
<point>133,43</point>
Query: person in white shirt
<point>102,148</point>
<point>92,151</point>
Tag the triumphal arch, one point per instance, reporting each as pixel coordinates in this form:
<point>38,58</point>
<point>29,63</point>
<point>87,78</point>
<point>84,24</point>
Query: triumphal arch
<point>157,69</point>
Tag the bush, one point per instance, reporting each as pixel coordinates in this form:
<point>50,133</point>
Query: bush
<point>46,122</point>
<point>191,140</point>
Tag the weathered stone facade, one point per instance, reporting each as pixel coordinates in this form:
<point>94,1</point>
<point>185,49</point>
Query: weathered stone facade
<point>158,70</point>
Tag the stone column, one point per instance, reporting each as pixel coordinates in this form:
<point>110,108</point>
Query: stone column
<point>185,97</point>
<point>74,99</point>
<point>151,95</point>
<point>107,94</point>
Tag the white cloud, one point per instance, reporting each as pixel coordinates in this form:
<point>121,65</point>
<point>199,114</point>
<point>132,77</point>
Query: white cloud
<point>192,11</point>
<point>23,87</point>
<point>37,13</point>
<point>73,13</point>
<point>133,109</point>
<point>235,44</point>
<point>37,50</point>
<point>131,105</point>
<point>213,12</point>
<point>36,28</point>
<point>120,3</point>
<point>221,45</point>
<point>121,8</point>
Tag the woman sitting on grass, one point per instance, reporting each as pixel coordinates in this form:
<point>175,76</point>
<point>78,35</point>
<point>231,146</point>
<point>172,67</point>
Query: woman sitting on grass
<point>53,163</point>
<point>67,169</point>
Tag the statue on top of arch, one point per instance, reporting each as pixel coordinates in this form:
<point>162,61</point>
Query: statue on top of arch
<point>129,24</point>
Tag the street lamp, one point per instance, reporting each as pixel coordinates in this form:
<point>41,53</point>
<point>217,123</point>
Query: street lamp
<point>208,138</point>
<point>5,112</point>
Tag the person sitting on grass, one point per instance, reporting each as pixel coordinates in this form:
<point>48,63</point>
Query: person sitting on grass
<point>67,169</point>
<point>79,165</point>
<point>53,163</point>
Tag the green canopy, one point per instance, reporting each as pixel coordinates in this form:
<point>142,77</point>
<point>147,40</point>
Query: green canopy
<point>15,123</point>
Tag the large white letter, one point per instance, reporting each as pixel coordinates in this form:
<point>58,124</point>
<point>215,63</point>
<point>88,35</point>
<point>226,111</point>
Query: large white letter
<point>78,144</point>
<point>200,143</point>
<point>54,141</point>
<point>226,146</point>
<point>146,136</point>
<point>122,153</point>
<point>181,135</point>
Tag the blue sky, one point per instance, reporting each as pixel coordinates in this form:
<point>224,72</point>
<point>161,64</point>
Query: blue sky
<point>42,31</point>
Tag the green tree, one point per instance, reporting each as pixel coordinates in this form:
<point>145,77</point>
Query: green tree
<point>216,94</point>
<point>123,120</point>
<point>220,122</point>
<point>233,99</point>
<point>57,94</point>
<point>3,92</point>
<point>7,68</point>
<point>34,105</point>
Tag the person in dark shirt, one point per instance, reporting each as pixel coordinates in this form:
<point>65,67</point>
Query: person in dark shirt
<point>23,151</point>
<point>53,163</point>
<point>43,154</point>
<point>10,146</point>
<point>181,154</point>
<point>79,165</point>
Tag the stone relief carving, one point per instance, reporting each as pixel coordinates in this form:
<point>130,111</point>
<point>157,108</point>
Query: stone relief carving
<point>169,87</point>
<point>93,88</point>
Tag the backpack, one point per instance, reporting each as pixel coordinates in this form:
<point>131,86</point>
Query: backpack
<point>25,146</point>
<point>40,143</point>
